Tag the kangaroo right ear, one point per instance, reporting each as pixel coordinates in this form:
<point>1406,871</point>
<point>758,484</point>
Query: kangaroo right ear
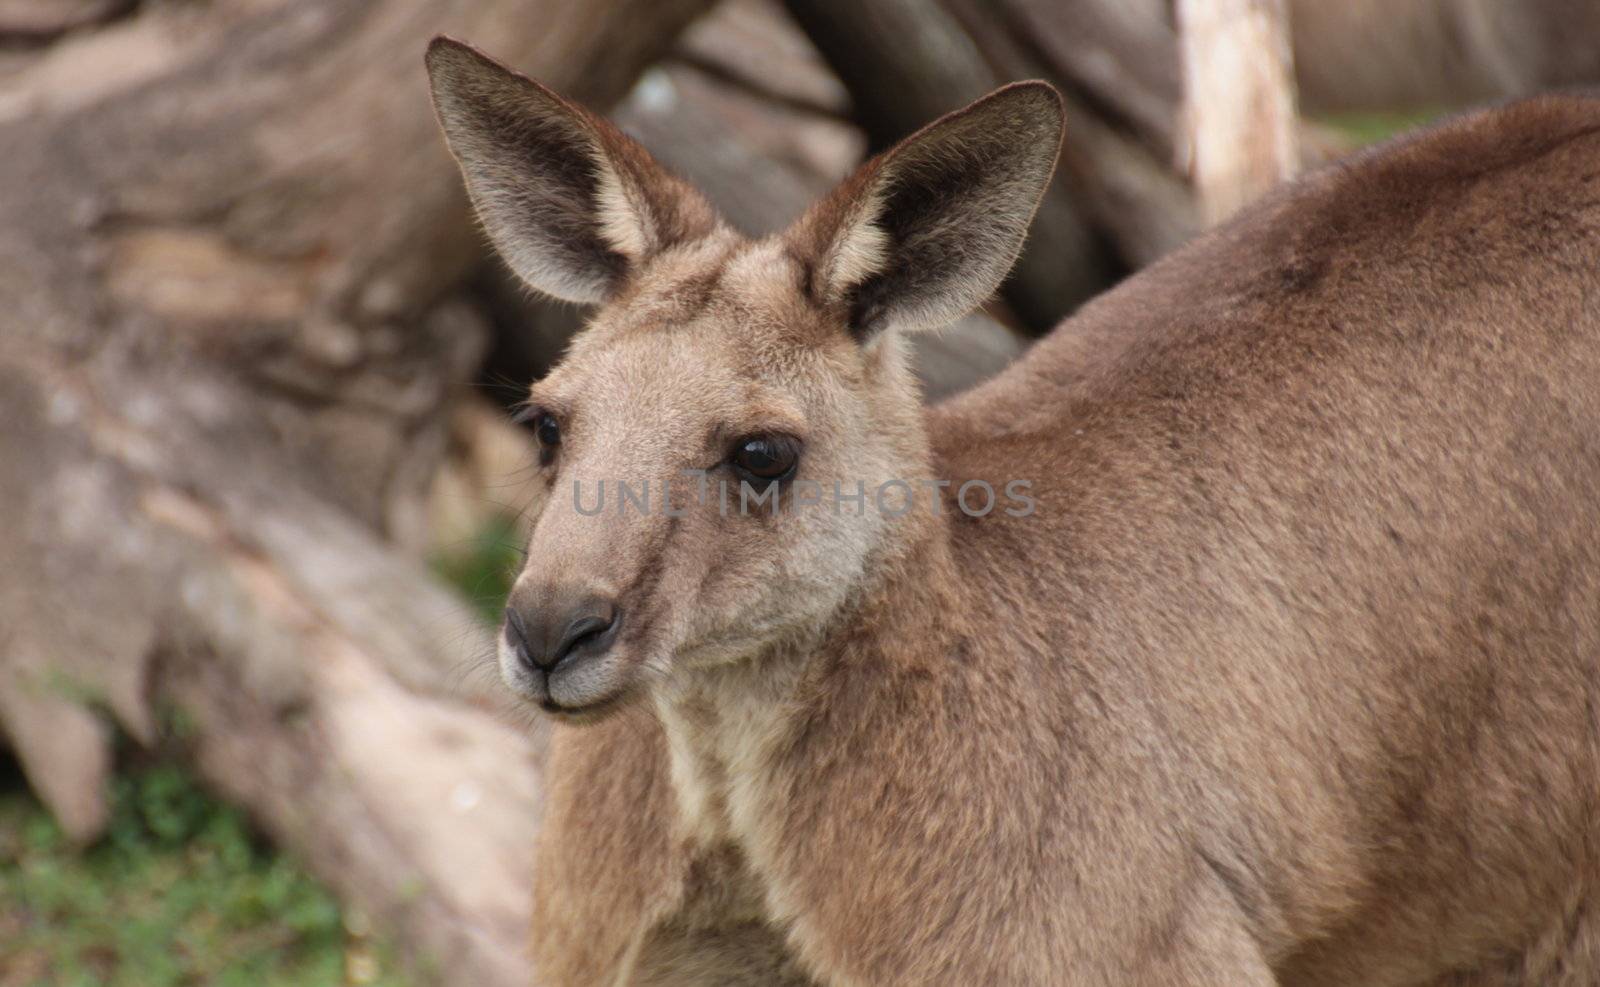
<point>924,232</point>
<point>571,203</point>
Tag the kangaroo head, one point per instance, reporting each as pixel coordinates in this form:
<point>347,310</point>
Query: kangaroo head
<point>728,446</point>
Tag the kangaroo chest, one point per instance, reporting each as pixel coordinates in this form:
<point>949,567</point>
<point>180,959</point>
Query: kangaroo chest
<point>718,932</point>
<point>720,928</point>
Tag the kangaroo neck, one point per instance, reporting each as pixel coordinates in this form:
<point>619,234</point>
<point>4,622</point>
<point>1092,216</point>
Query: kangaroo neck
<point>728,728</point>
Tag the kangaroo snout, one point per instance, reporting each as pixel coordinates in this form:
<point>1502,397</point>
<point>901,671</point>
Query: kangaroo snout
<point>545,636</point>
<point>548,641</point>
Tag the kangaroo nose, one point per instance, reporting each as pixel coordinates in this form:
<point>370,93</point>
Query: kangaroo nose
<point>546,636</point>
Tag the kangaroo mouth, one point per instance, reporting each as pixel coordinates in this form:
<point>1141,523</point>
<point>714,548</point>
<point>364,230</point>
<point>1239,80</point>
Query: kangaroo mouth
<point>586,713</point>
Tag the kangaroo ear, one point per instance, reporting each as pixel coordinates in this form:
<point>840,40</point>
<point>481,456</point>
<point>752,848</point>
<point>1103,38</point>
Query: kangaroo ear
<point>572,204</point>
<point>924,232</point>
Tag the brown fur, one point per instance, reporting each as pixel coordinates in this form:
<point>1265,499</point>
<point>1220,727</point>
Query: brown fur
<point>1290,678</point>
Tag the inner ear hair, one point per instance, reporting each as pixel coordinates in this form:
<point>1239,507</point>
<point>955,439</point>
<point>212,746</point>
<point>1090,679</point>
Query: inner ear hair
<point>572,204</point>
<point>922,234</point>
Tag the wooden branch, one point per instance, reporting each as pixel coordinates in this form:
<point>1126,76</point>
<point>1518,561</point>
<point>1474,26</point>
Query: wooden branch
<point>1116,53</point>
<point>1374,55</point>
<point>755,46</point>
<point>1239,103</point>
<point>36,20</point>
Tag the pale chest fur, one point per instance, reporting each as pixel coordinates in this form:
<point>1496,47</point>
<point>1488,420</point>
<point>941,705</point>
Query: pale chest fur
<point>727,925</point>
<point>717,933</point>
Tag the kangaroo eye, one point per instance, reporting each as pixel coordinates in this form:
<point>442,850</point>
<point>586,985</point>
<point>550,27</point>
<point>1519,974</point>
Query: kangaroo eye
<point>766,457</point>
<point>547,429</point>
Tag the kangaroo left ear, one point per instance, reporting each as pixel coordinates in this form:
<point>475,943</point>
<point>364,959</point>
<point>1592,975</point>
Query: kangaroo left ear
<point>573,205</point>
<point>923,233</point>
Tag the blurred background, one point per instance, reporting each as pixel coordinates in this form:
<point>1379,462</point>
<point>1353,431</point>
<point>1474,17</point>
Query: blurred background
<point>259,495</point>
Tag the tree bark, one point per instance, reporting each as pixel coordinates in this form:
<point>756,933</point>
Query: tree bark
<point>1374,55</point>
<point>1238,103</point>
<point>231,255</point>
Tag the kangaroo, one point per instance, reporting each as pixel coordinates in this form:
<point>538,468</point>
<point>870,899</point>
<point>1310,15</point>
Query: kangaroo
<point>1279,669</point>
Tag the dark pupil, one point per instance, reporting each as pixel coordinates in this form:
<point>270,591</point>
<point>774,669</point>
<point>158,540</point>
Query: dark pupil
<point>762,458</point>
<point>548,431</point>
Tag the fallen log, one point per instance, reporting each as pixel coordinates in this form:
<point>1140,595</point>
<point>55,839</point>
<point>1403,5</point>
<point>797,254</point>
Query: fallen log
<point>232,253</point>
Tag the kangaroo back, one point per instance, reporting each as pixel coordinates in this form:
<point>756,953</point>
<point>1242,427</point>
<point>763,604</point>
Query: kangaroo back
<point>1319,496</point>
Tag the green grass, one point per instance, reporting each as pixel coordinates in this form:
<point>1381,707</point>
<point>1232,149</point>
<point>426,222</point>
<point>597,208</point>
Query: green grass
<point>483,567</point>
<point>1370,128</point>
<point>180,892</point>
